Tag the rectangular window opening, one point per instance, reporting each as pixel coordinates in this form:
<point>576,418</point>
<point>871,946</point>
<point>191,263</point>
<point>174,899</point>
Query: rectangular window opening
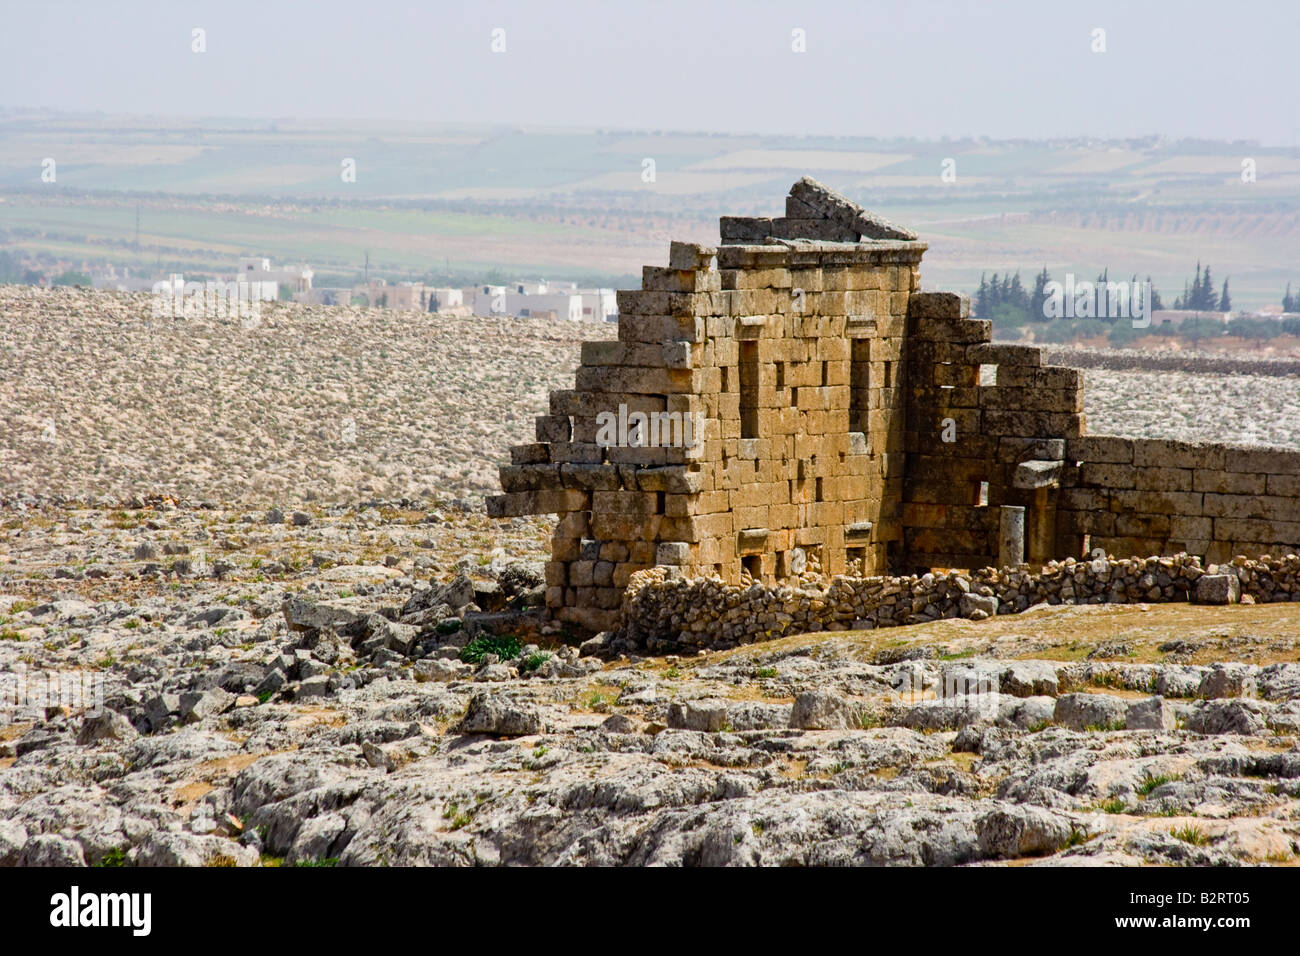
<point>859,385</point>
<point>748,389</point>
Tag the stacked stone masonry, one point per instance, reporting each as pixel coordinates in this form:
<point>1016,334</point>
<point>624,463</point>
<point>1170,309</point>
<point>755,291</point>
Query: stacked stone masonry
<point>790,405</point>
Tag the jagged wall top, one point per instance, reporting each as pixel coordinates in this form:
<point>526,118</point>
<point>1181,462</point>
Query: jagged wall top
<point>813,211</point>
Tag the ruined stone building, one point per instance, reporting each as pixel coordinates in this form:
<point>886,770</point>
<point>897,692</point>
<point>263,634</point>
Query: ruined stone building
<point>791,402</point>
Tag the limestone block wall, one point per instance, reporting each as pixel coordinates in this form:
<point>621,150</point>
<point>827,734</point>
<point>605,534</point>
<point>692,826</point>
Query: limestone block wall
<point>785,358</point>
<point>1133,496</point>
<point>1021,440</point>
<point>968,442</point>
<point>760,414</point>
<point>789,406</point>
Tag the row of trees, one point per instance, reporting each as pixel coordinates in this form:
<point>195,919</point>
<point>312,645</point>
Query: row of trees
<point>13,272</point>
<point>1004,300</point>
<point>1007,302</point>
<point>1199,294</point>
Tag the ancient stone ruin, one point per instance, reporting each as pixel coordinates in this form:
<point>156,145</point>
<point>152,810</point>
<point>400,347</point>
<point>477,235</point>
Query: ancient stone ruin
<point>791,404</point>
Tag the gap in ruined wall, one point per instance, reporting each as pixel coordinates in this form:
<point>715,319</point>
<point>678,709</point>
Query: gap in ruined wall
<point>988,375</point>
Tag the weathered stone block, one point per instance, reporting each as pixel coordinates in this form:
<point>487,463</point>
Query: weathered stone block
<point>1218,589</point>
<point>1177,454</point>
<point>1037,474</point>
<point>551,428</point>
<point>1153,713</point>
<point>1084,711</point>
<point>1101,449</point>
<point>939,305</point>
<point>673,553</point>
<point>744,229</point>
<point>690,255</point>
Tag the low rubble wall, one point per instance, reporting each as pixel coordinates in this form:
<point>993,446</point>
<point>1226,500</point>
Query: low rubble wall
<point>662,614</point>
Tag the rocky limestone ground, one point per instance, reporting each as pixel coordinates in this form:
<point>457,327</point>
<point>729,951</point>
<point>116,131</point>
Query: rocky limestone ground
<point>373,684</point>
<point>311,647</point>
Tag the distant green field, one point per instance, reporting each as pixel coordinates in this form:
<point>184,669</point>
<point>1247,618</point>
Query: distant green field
<point>433,199</point>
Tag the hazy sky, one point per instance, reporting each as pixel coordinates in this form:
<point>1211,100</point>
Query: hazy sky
<point>909,68</point>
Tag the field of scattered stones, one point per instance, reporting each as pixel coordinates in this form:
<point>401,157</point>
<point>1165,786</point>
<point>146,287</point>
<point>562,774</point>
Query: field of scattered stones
<point>98,397</point>
<point>302,650</point>
<point>1189,406</point>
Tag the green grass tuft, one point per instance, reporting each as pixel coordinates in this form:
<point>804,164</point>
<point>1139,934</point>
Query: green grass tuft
<point>506,647</point>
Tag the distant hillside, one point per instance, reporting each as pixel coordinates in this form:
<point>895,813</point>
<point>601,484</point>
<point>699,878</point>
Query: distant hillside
<point>431,199</point>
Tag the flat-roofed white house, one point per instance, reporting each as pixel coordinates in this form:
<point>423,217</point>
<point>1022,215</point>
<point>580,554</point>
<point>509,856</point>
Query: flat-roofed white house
<point>257,271</point>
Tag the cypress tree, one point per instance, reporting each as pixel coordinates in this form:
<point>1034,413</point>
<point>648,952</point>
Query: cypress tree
<point>1038,300</point>
<point>1156,304</point>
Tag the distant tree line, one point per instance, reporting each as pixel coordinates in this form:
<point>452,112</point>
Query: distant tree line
<point>1199,295</point>
<point>13,272</point>
<point>1290,303</point>
<point>1007,302</point>
<point>1004,300</point>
